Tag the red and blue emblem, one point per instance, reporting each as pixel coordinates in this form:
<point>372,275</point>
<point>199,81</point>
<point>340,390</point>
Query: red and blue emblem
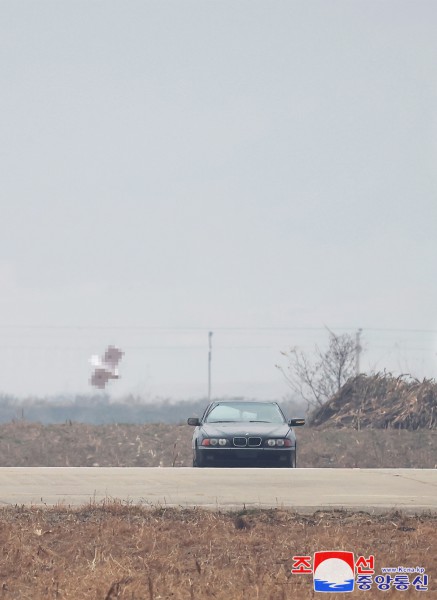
<point>334,571</point>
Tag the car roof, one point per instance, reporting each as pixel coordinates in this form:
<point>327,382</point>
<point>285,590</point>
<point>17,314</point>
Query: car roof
<point>234,401</point>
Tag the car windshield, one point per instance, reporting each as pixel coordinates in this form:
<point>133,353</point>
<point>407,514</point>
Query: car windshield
<point>246,412</point>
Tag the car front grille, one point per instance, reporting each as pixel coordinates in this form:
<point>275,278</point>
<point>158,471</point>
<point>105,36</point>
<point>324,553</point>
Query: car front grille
<point>240,442</point>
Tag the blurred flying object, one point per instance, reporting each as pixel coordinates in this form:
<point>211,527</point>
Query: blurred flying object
<point>100,378</point>
<point>105,367</point>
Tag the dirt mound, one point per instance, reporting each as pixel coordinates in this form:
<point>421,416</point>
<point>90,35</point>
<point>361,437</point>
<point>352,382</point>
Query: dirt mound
<point>380,402</point>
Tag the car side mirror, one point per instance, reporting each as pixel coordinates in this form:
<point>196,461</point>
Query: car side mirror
<point>296,422</point>
<point>193,421</point>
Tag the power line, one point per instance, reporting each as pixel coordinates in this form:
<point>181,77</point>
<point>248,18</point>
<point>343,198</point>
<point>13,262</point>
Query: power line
<point>85,349</point>
<point>160,328</point>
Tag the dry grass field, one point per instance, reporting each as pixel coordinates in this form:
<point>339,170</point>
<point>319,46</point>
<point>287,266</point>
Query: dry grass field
<point>24,444</point>
<point>151,445</point>
<point>127,552</point>
<point>120,551</point>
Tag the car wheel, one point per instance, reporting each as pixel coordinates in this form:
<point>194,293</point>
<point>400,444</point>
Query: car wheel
<point>198,460</point>
<point>292,460</point>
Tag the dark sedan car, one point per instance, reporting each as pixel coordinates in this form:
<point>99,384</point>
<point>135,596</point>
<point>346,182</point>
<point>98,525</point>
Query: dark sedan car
<point>244,433</point>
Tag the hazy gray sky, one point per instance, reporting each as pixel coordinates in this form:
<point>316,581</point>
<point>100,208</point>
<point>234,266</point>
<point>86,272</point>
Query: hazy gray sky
<point>205,164</point>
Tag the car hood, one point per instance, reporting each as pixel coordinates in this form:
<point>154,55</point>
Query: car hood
<point>243,429</point>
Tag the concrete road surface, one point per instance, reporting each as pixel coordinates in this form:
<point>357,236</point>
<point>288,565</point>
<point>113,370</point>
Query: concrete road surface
<point>411,490</point>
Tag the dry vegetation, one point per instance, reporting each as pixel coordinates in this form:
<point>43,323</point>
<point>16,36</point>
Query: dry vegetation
<point>120,551</point>
<point>381,401</point>
<point>73,444</point>
<point>128,552</point>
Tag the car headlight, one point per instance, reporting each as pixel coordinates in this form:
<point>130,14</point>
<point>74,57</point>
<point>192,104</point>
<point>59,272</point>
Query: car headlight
<point>215,442</point>
<point>280,443</point>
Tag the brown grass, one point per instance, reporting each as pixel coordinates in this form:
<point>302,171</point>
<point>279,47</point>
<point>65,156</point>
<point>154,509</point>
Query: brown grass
<point>150,445</point>
<point>114,550</point>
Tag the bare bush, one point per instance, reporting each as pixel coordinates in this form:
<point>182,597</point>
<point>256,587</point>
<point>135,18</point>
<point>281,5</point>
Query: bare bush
<point>317,380</point>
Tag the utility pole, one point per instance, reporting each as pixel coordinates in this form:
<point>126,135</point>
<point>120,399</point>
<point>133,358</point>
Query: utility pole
<point>358,349</point>
<point>209,364</point>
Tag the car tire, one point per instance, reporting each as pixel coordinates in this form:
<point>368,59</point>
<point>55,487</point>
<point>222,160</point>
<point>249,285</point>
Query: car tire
<point>292,463</point>
<point>198,460</point>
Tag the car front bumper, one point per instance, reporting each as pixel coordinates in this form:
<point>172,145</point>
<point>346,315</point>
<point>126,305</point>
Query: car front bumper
<point>246,455</point>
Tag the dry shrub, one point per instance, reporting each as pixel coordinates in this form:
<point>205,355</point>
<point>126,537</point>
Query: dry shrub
<point>381,401</point>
